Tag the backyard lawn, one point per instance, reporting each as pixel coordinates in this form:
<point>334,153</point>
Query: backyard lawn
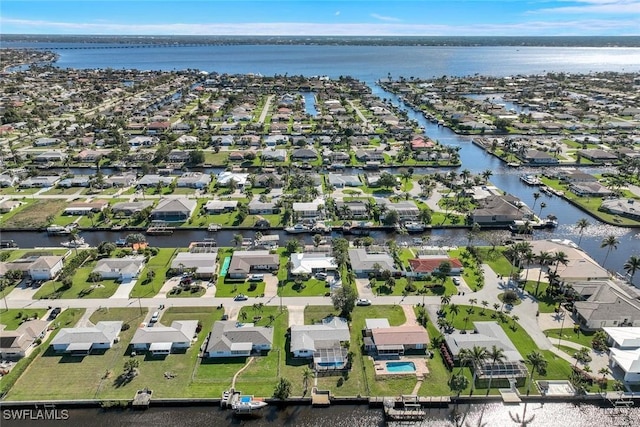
<point>159,264</point>
<point>13,317</point>
<point>81,287</point>
<point>579,337</point>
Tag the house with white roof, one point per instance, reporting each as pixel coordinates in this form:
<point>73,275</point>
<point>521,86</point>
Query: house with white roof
<point>123,269</point>
<point>203,264</point>
<point>311,263</point>
<point>81,341</point>
<point>363,262</point>
<point>163,340</point>
<point>226,176</point>
<point>324,342</point>
<point>307,209</point>
<point>624,354</point>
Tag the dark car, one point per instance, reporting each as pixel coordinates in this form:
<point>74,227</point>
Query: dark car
<point>241,298</point>
<point>55,312</point>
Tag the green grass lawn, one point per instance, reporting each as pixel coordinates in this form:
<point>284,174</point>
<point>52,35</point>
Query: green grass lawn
<point>311,287</point>
<point>579,337</point>
<point>68,318</point>
<point>97,375</point>
<point>81,287</point>
<point>436,383</point>
<point>496,260</point>
<point>14,317</point>
<point>8,288</point>
<point>230,289</point>
<point>159,264</point>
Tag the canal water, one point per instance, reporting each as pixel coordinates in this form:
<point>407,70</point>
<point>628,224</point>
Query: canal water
<point>491,415</point>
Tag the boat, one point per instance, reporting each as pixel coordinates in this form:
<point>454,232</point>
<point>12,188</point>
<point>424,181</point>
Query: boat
<point>521,227</point>
<point>513,164</point>
<point>214,227</point>
<point>356,228</point>
<point>121,242</point>
<point>5,244</point>
<point>546,190</point>
<point>247,405</point>
<point>298,228</point>
<point>530,179</point>
<point>59,229</point>
<point>75,243</point>
<point>320,227</point>
<point>413,227</point>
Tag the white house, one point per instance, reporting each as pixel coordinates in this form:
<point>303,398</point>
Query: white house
<point>225,177</point>
<point>45,267</point>
<point>123,269</point>
<point>323,342</point>
<point>79,341</point>
<point>162,340</point>
<point>624,353</point>
<point>310,263</point>
<point>232,339</point>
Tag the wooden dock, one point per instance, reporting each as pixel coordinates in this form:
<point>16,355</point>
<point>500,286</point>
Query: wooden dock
<point>407,408</point>
<point>142,399</point>
<point>320,397</point>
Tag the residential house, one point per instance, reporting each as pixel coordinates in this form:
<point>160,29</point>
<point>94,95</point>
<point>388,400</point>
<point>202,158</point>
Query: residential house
<point>173,210</point>
<point>76,181</point>
<point>7,180</point>
<point>9,205</point>
<point>83,208</point>
<point>152,180</point>
<point>223,140</point>
<point>311,263</point>
<point>324,342</point>
<point>598,155</point>
<point>257,207</point>
<point>245,262</point>
<point>500,210</point>
<point>609,306</point>
<point>50,156</point>
<point>91,156</point>
<point>121,180</point>
<point>487,335</point>
<point>304,154</point>
<point>580,266</point>
<point>269,180</point>
<point>158,127</point>
<point>386,340</point>
<point>14,344</point>
<point>231,339</point>
<point>343,180</point>
<point>122,269</point>
<point>369,156</point>
<point>406,209</point>
<point>142,141</point>
<point>202,264</point>
<point>197,180</point>
<point>83,340</point>
<point>624,353</point>
<point>45,267</point>
<point>307,209</point>
<point>624,207</point>
<point>428,265</point>
<point>179,156</point>
<point>363,263</point>
<point>227,176</point>
<point>356,209</point>
<point>46,142</point>
<point>127,209</point>
<point>276,155</point>
<point>187,140</point>
<point>162,340</point>
<point>42,181</point>
<point>214,207</point>
<point>537,157</point>
<point>590,189</point>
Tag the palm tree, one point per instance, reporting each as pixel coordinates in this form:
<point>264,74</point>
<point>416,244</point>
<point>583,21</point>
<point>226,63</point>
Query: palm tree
<point>445,299</point>
<point>631,266</point>
<point>581,225</point>
<point>536,196</point>
<point>538,364</point>
<point>528,257</point>
<point>542,206</point>
<point>474,357</point>
<point>454,309</point>
<point>560,258</point>
<point>544,258</point>
<point>473,301</point>
<point>604,372</point>
<point>610,242</point>
<point>495,355</point>
<point>237,239</point>
<point>307,374</point>
<point>484,304</point>
<point>515,319</point>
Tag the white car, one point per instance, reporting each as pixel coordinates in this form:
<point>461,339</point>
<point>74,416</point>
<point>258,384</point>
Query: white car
<point>363,302</point>
<point>456,281</point>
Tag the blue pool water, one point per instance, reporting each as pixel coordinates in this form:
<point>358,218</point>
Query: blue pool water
<point>330,364</point>
<point>225,266</point>
<point>396,367</point>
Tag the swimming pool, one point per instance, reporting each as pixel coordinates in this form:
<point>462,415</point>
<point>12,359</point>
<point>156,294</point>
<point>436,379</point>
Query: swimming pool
<point>401,367</point>
<point>330,364</point>
<point>225,266</point>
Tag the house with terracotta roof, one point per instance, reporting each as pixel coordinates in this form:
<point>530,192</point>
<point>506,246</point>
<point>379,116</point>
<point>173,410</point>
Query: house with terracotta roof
<point>386,340</point>
<point>423,266</point>
<point>419,143</point>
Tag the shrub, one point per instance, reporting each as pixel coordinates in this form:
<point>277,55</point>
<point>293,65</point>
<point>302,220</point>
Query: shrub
<point>253,286</point>
<point>125,326</point>
<point>410,287</point>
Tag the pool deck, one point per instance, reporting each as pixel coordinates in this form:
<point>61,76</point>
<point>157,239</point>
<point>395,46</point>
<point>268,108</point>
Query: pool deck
<point>420,363</point>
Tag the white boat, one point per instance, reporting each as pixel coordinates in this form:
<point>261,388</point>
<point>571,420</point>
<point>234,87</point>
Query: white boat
<point>412,226</point>
<point>530,179</point>
<point>321,227</point>
<point>298,228</point>
<point>59,229</point>
<point>247,405</point>
<point>76,243</point>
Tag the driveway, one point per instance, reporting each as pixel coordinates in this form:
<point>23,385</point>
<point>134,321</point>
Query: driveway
<point>124,289</point>
<point>296,315</point>
<point>271,286</point>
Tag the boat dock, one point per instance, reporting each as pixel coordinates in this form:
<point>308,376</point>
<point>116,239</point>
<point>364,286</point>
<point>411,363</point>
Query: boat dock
<point>407,409</point>
<point>142,399</point>
<point>320,397</point>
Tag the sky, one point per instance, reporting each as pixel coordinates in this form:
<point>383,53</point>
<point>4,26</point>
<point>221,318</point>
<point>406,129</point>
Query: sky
<point>319,17</point>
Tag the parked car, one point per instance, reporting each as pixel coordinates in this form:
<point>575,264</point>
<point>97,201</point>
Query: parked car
<point>240,297</point>
<point>363,302</point>
<point>321,276</point>
<point>256,277</point>
<point>55,312</point>
<point>456,281</point>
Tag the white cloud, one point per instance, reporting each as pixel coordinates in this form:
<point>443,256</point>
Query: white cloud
<point>385,18</point>
<point>596,7</point>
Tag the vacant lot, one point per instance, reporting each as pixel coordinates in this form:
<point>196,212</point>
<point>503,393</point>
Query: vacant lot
<point>35,214</point>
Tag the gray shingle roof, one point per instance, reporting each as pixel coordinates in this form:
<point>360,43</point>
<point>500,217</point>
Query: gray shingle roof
<point>226,336</point>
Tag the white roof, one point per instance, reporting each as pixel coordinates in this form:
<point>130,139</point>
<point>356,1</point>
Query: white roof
<point>628,360</point>
<point>226,176</point>
<point>625,336</point>
<point>376,323</point>
<point>308,262</point>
